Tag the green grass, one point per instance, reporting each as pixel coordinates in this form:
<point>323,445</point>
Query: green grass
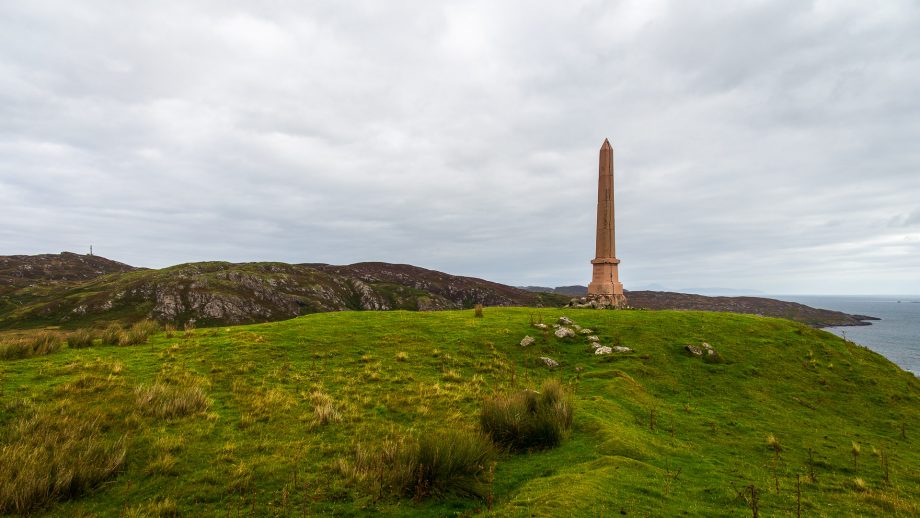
<point>271,413</point>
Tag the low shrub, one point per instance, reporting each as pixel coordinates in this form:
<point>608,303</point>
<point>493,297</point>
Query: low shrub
<point>54,457</point>
<point>528,420</point>
<point>80,339</point>
<point>449,462</point>
<point>168,401</point>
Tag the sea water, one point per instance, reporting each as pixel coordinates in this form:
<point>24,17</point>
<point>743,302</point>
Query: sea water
<point>896,336</point>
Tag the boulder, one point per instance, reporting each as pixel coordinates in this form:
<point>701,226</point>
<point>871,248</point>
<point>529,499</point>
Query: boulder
<point>528,340</point>
<point>603,350</point>
<point>595,345</point>
<point>566,321</point>
<point>694,350</point>
<point>621,349</point>
<point>593,338</point>
<point>549,362</point>
<point>564,332</point>
<point>541,326</point>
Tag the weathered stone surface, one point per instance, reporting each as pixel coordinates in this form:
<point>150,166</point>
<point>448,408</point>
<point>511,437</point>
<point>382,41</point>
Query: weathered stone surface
<point>620,349</point>
<point>704,349</point>
<point>565,321</point>
<point>585,331</point>
<point>528,340</point>
<point>564,332</point>
<point>593,338</point>
<point>595,345</point>
<point>549,362</point>
<point>602,350</point>
<point>541,326</point>
<point>694,350</point>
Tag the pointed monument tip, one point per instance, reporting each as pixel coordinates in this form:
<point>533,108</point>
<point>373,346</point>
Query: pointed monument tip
<point>606,144</point>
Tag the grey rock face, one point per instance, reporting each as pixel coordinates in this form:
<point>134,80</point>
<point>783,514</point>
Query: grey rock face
<point>549,362</point>
<point>528,340</point>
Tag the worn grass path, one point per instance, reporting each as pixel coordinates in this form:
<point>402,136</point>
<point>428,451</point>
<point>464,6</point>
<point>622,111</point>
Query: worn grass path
<point>657,432</point>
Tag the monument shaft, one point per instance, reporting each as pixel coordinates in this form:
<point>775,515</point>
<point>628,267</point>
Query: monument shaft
<point>605,286</point>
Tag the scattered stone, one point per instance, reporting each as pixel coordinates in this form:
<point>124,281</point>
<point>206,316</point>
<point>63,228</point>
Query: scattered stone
<point>566,321</point>
<point>621,349</point>
<point>564,332</point>
<point>585,331</point>
<point>701,350</point>
<point>528,340</point>
<point>694,350</point>
<point>593,338</point>
<point>556,326</point>
<point>595,345</point>
<point>603,350</point>
<point>541,326</point>
<point>549,362</point>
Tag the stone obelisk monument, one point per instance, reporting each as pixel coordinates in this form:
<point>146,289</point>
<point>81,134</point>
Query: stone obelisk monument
<point>605,289</point>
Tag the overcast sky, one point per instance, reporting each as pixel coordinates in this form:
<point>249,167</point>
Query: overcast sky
<point>764,145</point>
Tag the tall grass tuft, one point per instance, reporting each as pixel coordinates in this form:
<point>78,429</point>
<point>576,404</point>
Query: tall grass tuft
<point>54,457</point>
<point>448,462</point>
<point>169,401</point>
<point>80,338</point>
<point>528,420</point>
<point>42,343</point>
<point>111,335</point>
<point>138,333</point>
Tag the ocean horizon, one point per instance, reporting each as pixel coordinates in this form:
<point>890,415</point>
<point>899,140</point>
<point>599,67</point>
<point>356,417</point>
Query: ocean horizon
<point>896,335</point>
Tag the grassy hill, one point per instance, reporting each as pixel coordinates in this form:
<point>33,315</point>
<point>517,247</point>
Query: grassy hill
<point>262,419</point>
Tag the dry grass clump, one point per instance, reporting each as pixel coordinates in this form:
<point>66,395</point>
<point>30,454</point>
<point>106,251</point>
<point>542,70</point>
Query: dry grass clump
<point>80,338</point>
<point>111,334</point>
<point>449,462</point>
<point>168,401</point>
<point>528,420</point>
<point>54,457</point>
<point>160,508</point>
<point>42,343</point>
<point>477,311</point>
<point>138,333</point>
<point>324,410</point>
<point>402,356</point>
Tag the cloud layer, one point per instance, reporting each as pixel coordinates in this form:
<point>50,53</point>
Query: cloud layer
<point>764,145</point>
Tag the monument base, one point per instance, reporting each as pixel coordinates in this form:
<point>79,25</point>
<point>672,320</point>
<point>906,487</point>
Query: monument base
<point>595,301</point>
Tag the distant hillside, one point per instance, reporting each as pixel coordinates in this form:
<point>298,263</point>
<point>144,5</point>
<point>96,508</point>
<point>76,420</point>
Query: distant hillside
<point>17,271</point>
<point>571,291</point>
<point>219,293</point>
<point>751,305</point>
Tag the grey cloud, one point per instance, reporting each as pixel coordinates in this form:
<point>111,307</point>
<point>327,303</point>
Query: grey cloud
<point>764,145</point>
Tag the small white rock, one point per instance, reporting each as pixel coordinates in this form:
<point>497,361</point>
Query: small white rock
<point>593,339</point>
<point>566,321</point>
<point>549,362</point>
<point>621,349</point>
<point>595,345</point>
<point>528,340</point>
<point>602,350</point>
<point>541,326</point>
<point>564,332</point>
<point>585,331</point>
